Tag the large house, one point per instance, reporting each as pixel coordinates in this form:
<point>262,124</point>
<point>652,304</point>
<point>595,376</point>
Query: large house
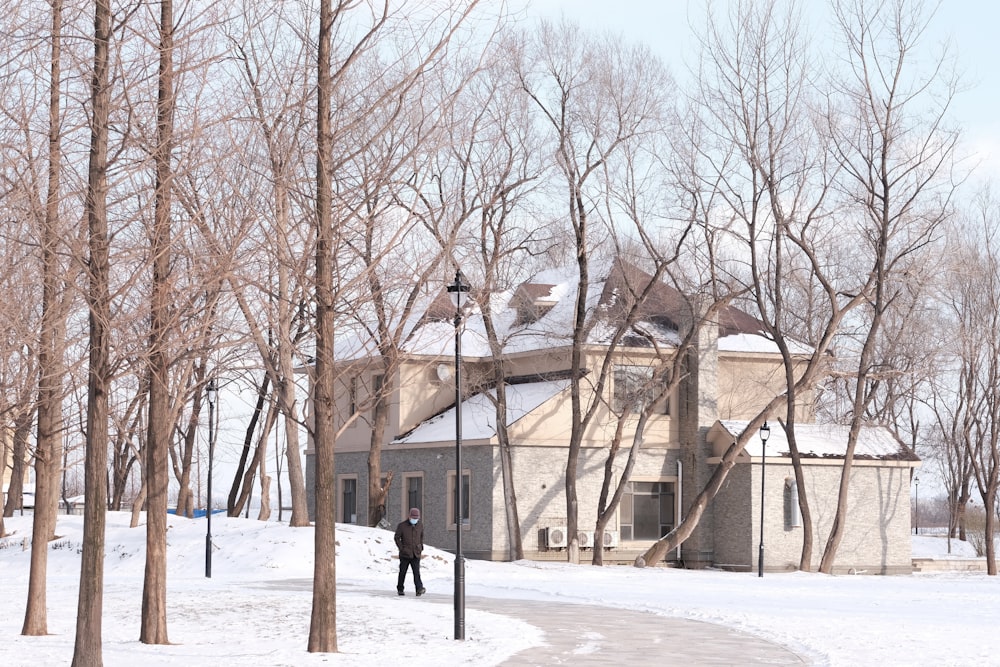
<point>732,372</point>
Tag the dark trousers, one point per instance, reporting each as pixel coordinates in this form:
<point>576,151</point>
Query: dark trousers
<point>405,563</point>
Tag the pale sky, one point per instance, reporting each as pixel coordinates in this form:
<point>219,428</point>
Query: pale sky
<point>970,25</point>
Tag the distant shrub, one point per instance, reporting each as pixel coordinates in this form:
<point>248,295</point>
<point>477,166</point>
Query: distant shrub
<point>975,530</point>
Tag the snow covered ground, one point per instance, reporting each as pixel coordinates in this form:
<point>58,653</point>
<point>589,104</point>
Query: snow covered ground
<point>237,617</point>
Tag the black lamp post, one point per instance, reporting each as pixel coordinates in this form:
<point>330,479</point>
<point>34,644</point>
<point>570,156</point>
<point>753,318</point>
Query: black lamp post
<point>210,393</point>
<point>765,433</point>
<point>458,292</point>
<point>916,524</point>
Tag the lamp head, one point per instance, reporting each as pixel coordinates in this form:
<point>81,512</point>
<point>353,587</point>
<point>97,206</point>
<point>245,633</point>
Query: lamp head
<point>458,291</point>
<point>211,392</point>
<point>765,433</point>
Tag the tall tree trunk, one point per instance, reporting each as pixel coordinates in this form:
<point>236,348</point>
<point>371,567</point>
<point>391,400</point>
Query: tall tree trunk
<point>241,466</point>
<point>265,488</point>
<point>578,214</point>
<point>182,468</point>
<point>154,591</point>
<point>989,503</point>
<point>138,505</point>
<point>286,389</point>
<point>607,508</point>
<point>259,454</point>
<point>48,452</point>
<point>805,556</point>
<point>323,621</point>
<point>87,649</point>
<point>377,491</point>
<point>296,477</point>
<point>963,506</point>
<point>19,453</point>
<point>515,547</point>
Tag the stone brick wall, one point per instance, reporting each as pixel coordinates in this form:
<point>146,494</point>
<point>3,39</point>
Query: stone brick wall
<point>734,521</point>
<point>876,539</point>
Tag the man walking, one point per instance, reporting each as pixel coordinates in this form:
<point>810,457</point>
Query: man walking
<point>410,542</point>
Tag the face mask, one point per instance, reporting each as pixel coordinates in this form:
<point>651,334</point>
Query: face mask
<point>413,522</point>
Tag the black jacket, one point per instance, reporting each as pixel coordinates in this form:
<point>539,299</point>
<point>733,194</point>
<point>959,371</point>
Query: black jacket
<point>410,539</point>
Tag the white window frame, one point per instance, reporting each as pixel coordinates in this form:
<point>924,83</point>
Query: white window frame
<point>407,476</point>
<point>352,395</point>
<point>467,498</point>
<point>341,484</point>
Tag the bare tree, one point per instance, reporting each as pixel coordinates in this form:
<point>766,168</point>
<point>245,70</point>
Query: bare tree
<point>277,103</point>
<point>154,590</point>
<point>87,648</point>
<point>896,159</point>
<point>395,239</point>
<point>51,348</point>
<point>973,423</point>
<point>953,416</point>
<point>494,167</point>
<point>756,94</point>
<point>363,100</point>
<point>323,623</point>
<point>597,98</point>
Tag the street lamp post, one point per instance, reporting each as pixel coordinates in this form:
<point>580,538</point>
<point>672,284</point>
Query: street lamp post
<point>210,393</point>
<point>765,433</point>
<point>458,291</point>
<point>916,524</point>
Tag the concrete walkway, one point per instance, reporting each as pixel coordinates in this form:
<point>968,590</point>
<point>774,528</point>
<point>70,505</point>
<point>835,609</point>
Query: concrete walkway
<point>585,634</point>
<point>577,634</point>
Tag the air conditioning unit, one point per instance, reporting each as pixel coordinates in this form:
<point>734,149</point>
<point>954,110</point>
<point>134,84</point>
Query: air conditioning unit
<point>610,539</point>
<point>585,539</point>
<point>556,537</point>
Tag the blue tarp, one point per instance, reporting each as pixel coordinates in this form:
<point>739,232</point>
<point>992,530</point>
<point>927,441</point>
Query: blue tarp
<point>197,513</point>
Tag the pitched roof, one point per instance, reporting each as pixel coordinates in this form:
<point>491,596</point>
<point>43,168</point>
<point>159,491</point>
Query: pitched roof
<point>820,441</point>
<point>479,414</point>
<point>666,305</point>
<point>539,314</point>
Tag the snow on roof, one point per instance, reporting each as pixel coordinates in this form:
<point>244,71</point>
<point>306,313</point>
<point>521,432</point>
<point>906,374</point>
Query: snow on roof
<point>430,329</point>
<point>757,342</point>
<point>823,441</point>
<point>479,415</point>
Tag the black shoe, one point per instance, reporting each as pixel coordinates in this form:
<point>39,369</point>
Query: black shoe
<point>399,591</point>
<point>420,591</point>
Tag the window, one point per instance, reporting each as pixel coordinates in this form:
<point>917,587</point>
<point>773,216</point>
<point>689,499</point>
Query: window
<point>793,514</point>
<point>647,510</point>
<point>352,396</point>
<point>413,492</point>
<point>630,385</point>
<point>349,500</point>
<point>452,499</point>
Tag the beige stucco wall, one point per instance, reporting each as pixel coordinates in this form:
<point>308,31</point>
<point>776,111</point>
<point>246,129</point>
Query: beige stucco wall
<point>745,382</point>
<point>418,394</point>
<point>748,381</point>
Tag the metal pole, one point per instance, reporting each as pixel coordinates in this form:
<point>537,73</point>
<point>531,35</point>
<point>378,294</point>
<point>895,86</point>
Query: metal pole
<point>916,524</point>
<point>763,471</point>
<point>211,453</point>
<point>459,559</point>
